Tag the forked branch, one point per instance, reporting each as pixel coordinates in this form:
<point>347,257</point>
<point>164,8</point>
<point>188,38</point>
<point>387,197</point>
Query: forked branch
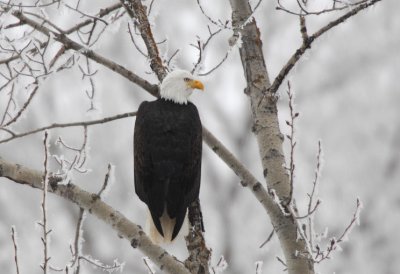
<point>309,39</point>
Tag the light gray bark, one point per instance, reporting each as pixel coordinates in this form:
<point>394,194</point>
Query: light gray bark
<point>269,137</point>
<point>94,205</point>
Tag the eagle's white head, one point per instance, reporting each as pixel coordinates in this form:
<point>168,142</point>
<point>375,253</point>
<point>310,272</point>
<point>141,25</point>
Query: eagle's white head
<point>178,85</point>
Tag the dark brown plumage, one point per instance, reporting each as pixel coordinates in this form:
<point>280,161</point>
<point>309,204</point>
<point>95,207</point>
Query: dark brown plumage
<point>167,159</point>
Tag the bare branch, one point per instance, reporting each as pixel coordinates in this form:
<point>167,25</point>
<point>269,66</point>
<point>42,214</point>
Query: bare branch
<point>76,248</point>
<point>77,241</point>
<point>14,240</point>
<point>23,108</point>
<point>70,44</point>
<point>219,24</point>
<point>103,12</point>
<point>79,159</point>
<point>247,179</point>
<point>291,137</point>
<point>334,243</point>
<point>106,178</point>
<point>9,59</point>
<point>134,42</point>
<point>310,212</point>
<point>65,125</point>
<point>201,47</point>
<point>94,19</point>
<point>91,202</point>
<point>308,42</point>
<point>268,239</point>
<point>172,57</point>
<point>146,262</point>
<point>38,4</point>
<point>336,6</point>
<point>45,184</point>
<point>216,66</point>
<point>97,264</point>
<point>137,11</point>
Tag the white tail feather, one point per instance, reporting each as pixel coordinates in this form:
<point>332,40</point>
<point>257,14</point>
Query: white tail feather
<point>167,225</point>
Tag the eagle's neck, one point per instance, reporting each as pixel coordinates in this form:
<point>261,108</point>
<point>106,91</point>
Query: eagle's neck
<point>175,91</point>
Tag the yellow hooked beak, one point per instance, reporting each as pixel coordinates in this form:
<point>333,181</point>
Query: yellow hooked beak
<point>196,84</point>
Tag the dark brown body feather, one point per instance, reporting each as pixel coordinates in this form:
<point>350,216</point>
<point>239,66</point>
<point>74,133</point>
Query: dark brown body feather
<point>167,158</point>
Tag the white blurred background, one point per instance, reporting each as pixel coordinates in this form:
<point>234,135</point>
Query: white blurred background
<point>346,90</point>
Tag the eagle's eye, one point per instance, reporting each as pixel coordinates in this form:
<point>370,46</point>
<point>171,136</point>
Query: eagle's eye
<point>186,79</point>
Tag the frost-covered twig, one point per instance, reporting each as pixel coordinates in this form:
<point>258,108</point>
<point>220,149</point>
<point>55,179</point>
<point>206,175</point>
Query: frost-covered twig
<point>88,73</point>
<point>312,208</point>
<point>334,243</point>
<point>293,116</point>
<point>78,161</point>
<point>96,263</point>
<point>201,47</point>
<point>43,224</point>
<point>14,240</point>
<point>76,249</point>
<point>65,125</point>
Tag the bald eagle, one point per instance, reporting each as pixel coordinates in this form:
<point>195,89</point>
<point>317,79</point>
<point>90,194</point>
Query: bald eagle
<point>167,154</point>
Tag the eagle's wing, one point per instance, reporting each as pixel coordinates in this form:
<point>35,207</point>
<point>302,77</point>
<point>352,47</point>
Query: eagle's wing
<point>189,186</point>
<point>141,158</point>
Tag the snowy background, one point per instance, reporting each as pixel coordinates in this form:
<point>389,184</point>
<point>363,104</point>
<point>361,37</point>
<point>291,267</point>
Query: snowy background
<point>347,93</point>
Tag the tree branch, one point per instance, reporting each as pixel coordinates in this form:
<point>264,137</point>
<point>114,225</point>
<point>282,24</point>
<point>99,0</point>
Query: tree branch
<point>247,179</point>
<point>70,44</point>
<point>14,240</point>
<point>103,12</point>
<point>269,138</point>
<point>94,205</point>
<point>73,124</point>
<point>137,11</point>
<point>23,108</point>
<point>43,224</point>
<point>308,40</point>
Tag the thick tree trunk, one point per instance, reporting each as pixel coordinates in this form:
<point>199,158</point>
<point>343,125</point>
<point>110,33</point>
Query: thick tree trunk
<point>269,138</point>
